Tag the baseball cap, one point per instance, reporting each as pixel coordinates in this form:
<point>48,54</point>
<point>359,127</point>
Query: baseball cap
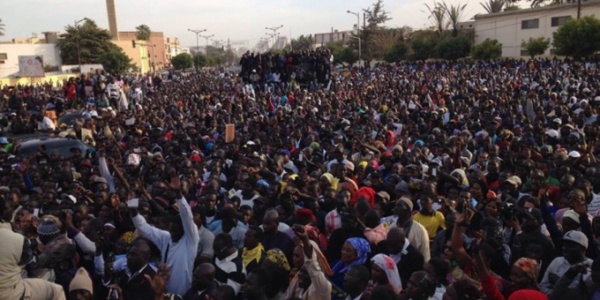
<point>574,154</point>
<point>576,237</point>
<point>514,180</point>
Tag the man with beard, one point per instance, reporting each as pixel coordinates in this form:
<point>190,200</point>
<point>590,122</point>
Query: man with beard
<point>203,283</point>
<point>569,276</point>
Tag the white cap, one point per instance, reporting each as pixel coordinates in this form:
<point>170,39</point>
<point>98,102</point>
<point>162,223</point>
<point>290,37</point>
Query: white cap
<point>574,154</point>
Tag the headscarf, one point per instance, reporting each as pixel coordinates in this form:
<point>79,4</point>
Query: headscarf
<point>367,193</point>
<point>529,266</point>
<point>277,257</point>
<point>249,255</point>
<point>362,248</point>
<point>388,265</point>
<point>464,179</point>
<point>332,180</point>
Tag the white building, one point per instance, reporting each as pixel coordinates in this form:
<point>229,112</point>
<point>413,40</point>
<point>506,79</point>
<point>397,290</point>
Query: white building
<point>172,48</point>
<point>511,28</point>
<point>9,56</point>
<point>322,39</point>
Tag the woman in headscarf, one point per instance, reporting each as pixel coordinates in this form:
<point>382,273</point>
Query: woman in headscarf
<point>354,252</point>
<point>384,272</point>
<point>524,275</point>
<point>278,264</point>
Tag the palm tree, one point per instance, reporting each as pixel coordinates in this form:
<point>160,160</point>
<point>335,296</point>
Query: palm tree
<point>143,32</point>
<point>1,28</point>
<point>438,14</point>
<point>493,6</point>
<point>455,14</point>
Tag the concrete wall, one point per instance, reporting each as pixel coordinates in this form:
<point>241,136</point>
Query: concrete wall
<point>507,27</point>
<point>10,67</point>
<point>157,39</point>
<point>138,53</point>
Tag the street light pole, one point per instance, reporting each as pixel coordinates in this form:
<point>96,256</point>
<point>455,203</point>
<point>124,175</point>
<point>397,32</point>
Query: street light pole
<point>206,38</point>
<point>78,40</point>
<point>152,58</point>
<point>358,34</point>
<point>274,29</point>
<point>197,32</point>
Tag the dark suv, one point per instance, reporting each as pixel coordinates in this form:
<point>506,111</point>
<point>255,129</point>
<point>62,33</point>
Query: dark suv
<point>62,146</point>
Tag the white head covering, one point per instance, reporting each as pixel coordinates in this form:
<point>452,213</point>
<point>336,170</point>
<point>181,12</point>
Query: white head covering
<point>388,265</point>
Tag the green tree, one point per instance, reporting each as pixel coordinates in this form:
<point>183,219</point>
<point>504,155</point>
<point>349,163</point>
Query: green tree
<point>397,53</point>
<point>578,38</point>
<point>488,49</point>
<point>537,46</point>
<point>374,20</point>
<point>200,60</point>
<point>346,55</point>
<point>115,61</point>
<point>182,61</point>
<point>91,40</point>
<point>1,28</point>
<point>143,32</point>
<point>453,48</point>
<point>302,43</point>
<point>423,48</point>
<point>455,14</point>
<point>493,6</point>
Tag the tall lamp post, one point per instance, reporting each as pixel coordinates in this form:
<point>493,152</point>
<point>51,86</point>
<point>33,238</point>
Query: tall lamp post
<point>206,38</point>
<point>78,47</point>
<point>152,58</point>
<point>275,34</point>
<point>197,32</point>
<point>358,34</point>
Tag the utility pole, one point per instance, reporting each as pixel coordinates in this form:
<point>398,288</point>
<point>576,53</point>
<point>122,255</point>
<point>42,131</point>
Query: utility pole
<point>206,38</point>
<point>578,9</point>
<point>78,46</point>
<point>275,34</point>
<point>357,34</point>
<point>197,32</point>
<point>152,58</point>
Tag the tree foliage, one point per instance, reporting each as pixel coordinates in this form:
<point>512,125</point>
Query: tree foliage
<point>143,32</point>
<point>115,61</point>
<point>200,60</point>
<point>578,38</point>
<point>302,43</point>
<point>375,18</point>
<point>488,49</point>
<point>347,55</point>
<point>453,48</point>
<point>397,53</point>
<point>493,6</point>
<point>423,48</point>
<point>92,41</point>
<point>437,14</point>
<point>537,46</point>
<point>385,39</point>
<point>455,13</point>
<point>182,61</point>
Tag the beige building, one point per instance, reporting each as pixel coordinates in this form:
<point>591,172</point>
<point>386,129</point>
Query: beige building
<point>138,52</point>
<point>156,46</point>
<point>172,49</point>
<point>512,27</point>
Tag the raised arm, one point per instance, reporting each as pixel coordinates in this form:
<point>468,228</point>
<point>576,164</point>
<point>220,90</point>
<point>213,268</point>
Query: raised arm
<point>160,238</point>
<point>187,218</point>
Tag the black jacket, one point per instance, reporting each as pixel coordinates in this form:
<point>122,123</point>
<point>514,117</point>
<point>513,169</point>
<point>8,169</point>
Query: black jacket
<point>136,288</point>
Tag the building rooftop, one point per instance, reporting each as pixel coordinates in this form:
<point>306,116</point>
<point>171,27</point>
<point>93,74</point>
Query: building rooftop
<point>546,8</point>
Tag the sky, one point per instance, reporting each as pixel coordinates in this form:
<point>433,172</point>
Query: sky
<point>237,20</point>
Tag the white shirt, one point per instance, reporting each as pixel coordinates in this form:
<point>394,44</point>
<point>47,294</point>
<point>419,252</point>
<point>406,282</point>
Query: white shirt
<point>46,124</point>
<point>205,246</point>
<point>397,257</point>
<point>180,255</point>
<point>594,205</point>
<point>557,268</point>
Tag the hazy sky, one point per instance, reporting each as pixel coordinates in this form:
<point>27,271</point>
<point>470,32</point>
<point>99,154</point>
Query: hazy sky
<point>234,19</point>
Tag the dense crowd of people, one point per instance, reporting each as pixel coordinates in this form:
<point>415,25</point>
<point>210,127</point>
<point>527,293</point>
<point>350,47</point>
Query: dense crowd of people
<point>419,180</point>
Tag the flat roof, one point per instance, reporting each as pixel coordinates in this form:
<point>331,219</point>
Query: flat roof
<point>538,9</point>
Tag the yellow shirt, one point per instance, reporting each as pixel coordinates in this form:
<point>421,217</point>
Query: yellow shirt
<point>431,223</point>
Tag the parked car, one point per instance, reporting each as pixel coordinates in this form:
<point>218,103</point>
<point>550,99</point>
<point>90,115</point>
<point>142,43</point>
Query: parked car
<point>62,146</point>
<point>69,117</point>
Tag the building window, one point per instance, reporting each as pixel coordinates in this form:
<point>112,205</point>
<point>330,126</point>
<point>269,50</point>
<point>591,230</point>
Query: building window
<point>524,52</point>
<point>3,56</point>
<point>559,21</point>
<point>530,24</point>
